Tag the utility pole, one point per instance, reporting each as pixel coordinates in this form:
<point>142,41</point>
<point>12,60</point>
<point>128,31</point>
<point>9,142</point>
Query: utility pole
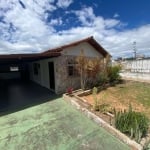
<point>134,50</point>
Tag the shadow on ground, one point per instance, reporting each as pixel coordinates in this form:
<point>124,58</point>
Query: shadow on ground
<point>16,95</point>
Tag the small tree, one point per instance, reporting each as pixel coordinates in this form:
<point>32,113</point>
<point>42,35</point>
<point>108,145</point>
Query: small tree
<point>88,68</point>
<point>82,66</point>
<point>103,74</point>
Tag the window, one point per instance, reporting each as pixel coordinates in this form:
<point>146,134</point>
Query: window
<point>14,68</point>
<point>72,70</point>
<point>36,68</point>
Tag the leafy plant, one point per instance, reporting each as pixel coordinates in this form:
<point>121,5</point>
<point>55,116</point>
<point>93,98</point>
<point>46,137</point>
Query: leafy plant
<point>69,90</point>
<point>96,102</point>
<point>134,124</point>
<point>146,146</point>
<point>103,78</point>
<point>113,73</point>
<point>104,108</point>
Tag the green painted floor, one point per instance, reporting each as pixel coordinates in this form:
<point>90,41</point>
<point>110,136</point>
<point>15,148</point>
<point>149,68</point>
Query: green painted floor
<point>54,125</point>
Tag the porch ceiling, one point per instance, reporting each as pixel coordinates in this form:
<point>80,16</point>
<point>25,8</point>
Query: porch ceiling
<point>17,58</point>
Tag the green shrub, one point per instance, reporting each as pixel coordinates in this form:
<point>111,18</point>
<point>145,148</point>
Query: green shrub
<point>113,73</point>
<point>103,78</point>
<point>134,124</point>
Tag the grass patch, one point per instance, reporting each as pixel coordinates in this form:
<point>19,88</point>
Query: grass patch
<point>121,95</point>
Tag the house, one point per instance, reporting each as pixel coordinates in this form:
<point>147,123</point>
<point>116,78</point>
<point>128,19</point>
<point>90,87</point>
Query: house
<point>54,68</point>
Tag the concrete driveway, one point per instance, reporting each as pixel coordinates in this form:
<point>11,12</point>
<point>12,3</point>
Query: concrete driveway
<point>54,125</point>
<point>18,94</point>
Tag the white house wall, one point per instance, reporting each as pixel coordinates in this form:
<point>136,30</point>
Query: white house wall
<point>89,51</point>
<point>43,77</point>
<point>33,77</point>
<point>45,72</point>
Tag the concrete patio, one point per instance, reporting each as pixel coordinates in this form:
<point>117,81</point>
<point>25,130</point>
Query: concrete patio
<point>54,125</point>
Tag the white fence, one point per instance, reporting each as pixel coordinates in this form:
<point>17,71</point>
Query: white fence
<point>136,70</point>
<point>137,66</point>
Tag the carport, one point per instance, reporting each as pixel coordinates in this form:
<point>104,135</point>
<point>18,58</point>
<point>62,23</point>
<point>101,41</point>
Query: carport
<point>17,91</point>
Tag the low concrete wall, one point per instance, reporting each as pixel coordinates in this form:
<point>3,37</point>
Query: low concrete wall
<point>102,123</point>
<point>136,76</point>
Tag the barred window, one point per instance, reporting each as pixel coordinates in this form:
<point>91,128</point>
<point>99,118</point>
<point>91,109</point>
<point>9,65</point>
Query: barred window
<point>72,70</point>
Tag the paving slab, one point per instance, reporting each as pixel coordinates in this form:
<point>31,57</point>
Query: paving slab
<point>54,125</point>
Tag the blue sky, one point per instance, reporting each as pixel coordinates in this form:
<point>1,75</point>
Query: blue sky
<point>36,25</point>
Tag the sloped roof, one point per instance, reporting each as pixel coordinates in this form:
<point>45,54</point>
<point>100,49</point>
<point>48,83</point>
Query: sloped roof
<point>56,51</point>
<point>89,40</point>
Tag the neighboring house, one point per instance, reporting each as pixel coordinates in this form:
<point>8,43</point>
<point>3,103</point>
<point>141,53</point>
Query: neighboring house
<point>53,69</point>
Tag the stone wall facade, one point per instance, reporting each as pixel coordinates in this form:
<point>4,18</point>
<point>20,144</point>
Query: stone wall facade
<point>63,80</point>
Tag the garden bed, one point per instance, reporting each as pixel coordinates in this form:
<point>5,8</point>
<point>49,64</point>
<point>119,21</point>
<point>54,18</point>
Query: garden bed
<point>118,97</point>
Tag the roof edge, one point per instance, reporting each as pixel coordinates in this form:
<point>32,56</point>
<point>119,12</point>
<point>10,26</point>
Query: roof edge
<point>90,40</point>
<point>57,51</point>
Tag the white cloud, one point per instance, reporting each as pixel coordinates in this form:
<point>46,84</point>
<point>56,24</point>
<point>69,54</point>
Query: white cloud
<point>7,47</point>
<point>56,21</point>
<point>116,15</point>
<point>31,32</point>
<point>118,43</point>
<point>29,22</point>
<point>109,23</point>
<point>88,18</point>
<point>64,3</point>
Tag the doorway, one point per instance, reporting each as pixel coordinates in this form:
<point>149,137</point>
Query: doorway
<point>51,75</point>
